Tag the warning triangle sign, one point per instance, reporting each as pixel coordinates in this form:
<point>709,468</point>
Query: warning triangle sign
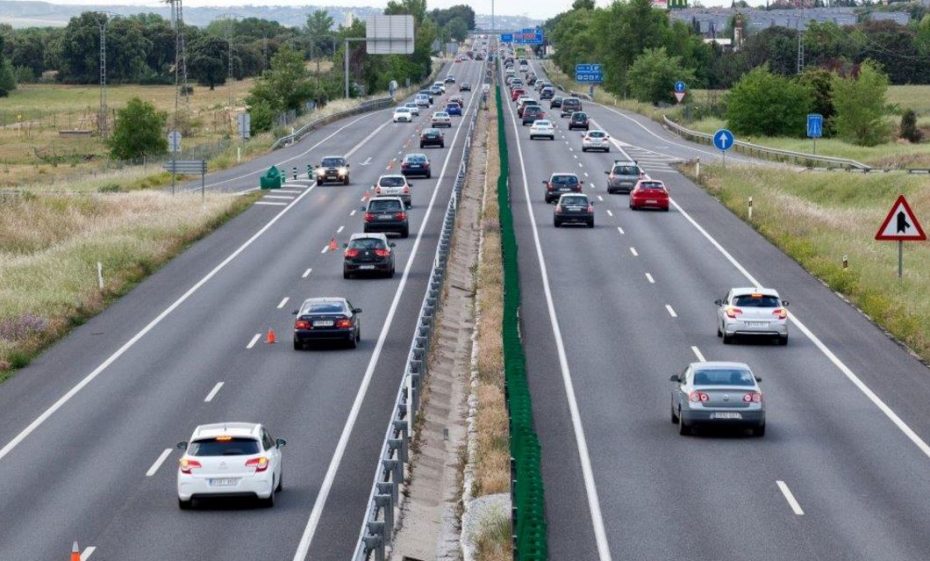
<point>901,224</point>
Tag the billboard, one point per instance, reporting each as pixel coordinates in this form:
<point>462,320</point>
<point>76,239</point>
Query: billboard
<point>389,35</point>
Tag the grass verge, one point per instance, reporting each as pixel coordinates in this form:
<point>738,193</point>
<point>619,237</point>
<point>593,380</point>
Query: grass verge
<point>50,246</point>
<point>493,539</point>
<point>817,218</point>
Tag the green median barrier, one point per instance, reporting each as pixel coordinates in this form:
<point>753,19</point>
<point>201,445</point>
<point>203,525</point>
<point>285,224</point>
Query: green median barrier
<point>271,179</point>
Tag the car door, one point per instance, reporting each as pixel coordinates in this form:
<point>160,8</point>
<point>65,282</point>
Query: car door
<point>679,394</point>
<point>721,309</point>
<point>273,452</point>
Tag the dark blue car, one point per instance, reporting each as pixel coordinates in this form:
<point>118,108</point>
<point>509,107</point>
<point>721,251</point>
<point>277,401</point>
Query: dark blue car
<point>454,109</point>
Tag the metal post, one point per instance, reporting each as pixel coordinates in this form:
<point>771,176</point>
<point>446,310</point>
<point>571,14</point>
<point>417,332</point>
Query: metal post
<point>203,194</point>
<point>750,209</point>
<point>347,67</point>
<point>900,258</point>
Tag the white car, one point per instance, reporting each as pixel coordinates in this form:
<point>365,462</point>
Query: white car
<point>542,128</point>
<point>440,85</point>
<point>230,460</point>
<point>441,119</point>
<point>595,140</point>
<point>394,185</point>
<point>414,108</point>
<point>752,311</point>
<point>422,100</point>
<point>403,115</point>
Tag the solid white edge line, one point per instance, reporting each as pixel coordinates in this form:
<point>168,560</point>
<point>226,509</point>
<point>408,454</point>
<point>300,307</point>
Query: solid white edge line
<point>789,496</point>
<point>633,251</point>
<point>594,505</point>
<point>254,340</point>
<point>158,462</point>
<point>151,325</point>
<point>213,392</point>
<point>269,203</point>
<point>306,273</point>
<point>316,513</point>
<point>850,375</point>
<point>697,353</point>
<point>650,279</point>
<point>88,551</point>
<point>283,302</point>
<point>671,311</point>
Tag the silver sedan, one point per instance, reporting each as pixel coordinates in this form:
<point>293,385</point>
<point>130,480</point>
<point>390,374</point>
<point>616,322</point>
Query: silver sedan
<point>717,393</point>
<point>752,311</point>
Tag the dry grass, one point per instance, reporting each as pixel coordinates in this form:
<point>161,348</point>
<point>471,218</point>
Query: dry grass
<point>492,456</point>
<point>50,246</point>
<point>493,538</point>
<point>817,218</point>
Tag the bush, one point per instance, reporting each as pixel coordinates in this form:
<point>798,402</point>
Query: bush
<point>763,103</point>
<point>139,131</point>
<point>653,75</point>
<point>860,106</point>
<point>909,130</point>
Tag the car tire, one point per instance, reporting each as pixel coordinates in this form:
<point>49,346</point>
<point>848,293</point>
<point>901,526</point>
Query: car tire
<point>443,145</point>
<point>683,429</point>
<point>583,149</point>
<point>674,415</point>
<point>269,502</point>
<point>345,181</point>
<point>665,209</point>
<point>783,340</point>
<point>591,224</point>
<point>405,233</point>
<point>607,150</point>
<point>353,342</point>
<point>280,486</point>
<point>298,346</point>
<point>719,333</point>
<point>429,175</point>
<point>391,273</point>
<point>759,431</point>
<point>185,505</point>
<point>421,146</point>
<point>727,339</point>
<point>556,223</point>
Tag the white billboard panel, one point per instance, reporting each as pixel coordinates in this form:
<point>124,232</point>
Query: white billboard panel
<point>389,35</point>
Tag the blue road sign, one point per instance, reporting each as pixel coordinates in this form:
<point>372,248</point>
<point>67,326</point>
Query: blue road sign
<point>589,73</point>
<point>814,125</point>
<point>723,139</point>
<point>528,36</point>
<point>506,37</point>
<point>680,86</point>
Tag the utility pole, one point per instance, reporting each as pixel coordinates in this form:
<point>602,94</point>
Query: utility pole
<point>229,69</point>
<point>102,125</point>
<point>800,47</point>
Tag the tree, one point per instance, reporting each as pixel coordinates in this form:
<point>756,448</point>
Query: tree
<point>909,130</point>
<point>583,5</point>
<point>7,77</point>
<point>209,61</point>
<point>819,82</point>
<point>768,104</point>
<point>860,106</point>
<point>319,31</point>
<point>653,75</point>
<point>458,29</point>
<point>285,86</point>
<point>139,131</point>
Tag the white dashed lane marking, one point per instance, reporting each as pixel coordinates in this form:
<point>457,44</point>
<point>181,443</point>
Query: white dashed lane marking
<point>213,392</point>
<point>671,311</point>
<point>306,273</point>
<point>633,251</point>
<point>697,353</point>
<point>650,279</point>
<point>158,462</point>
<point>789,496</point>
<point>283,302</point>
<point>254,340</point>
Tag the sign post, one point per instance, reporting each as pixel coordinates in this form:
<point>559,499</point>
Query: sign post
<point>189,167</point>
<point>723,141</point>
<point>901,225</point>
<point>174,146</point>
<point>814,127</point>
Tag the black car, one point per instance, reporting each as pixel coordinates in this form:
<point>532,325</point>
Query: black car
<point>327,319</point>
<point>547,93</point>
<point>560,183</point>
<point>574,208</point>
<point>465,87</point>
<point>570,105</point>
<point>415,164</point>
<point>368,253</point>
<point>556,101</point>
<point>532,113</point>
<point>579,120</point>
<point>387,214</point>
<point>333,169</point>
<point>432,137</point>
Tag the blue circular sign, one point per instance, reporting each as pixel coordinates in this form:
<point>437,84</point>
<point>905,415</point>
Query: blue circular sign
<point>724,139</point>
<point>680,86</point>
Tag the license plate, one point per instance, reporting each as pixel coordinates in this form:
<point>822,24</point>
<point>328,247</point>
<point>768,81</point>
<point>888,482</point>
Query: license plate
<point>757,324</point>
<point>366,267</point>
<point>727,415</point>
<point>652,202</point>
<point>224,482</point>
<point>323,323</point>
<point>388,217</point>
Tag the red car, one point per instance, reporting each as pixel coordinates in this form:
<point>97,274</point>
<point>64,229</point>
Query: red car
<point>517,92</point>
<point>649,193</point>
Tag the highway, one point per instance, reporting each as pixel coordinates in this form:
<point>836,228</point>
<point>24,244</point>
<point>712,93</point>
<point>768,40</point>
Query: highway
<point>88,430</point>
<point>610,313</point>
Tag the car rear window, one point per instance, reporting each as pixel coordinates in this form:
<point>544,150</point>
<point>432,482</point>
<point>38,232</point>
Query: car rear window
<point>596,134</point>
<point>325,308</point>
<point>392,181</point>
<point>542,123</point>
<point>416,159</point>
<point>571,101</point>
<point>223,446</point>
<point>579,116</point>
<point>431,133</point>
<point>564,180</point>
<point>333,162</point>
<point>651,185</point>
<point>626,170</point>
<point>756,301</point>
<point>723,377</point>
<point>379,205</point>
<point>367,243</point>
<point>574,201</point>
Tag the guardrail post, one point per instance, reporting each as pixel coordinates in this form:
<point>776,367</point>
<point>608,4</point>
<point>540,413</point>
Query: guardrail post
<point>396,469</point>
<point>386,488</point>
<point>376,544</point>
<point>386,503</point>
<point>400,445</point>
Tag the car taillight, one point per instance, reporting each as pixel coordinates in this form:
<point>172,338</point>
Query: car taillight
<point>550,186</point>
<point>351,252</point>
<point>426,165</point>
<point>378,190</point>
<point>558,208</point>
<point>733,311</point>
<point>696,396</point>
<point>382,252</point>
<point>187,465</point>
<point>343,323</point>
<point>404,166</point>
<point>753,397</point>
<point>260,464</point>
<point>780,313</point>
<point>406,189</point>
<point>400,216</point>
<point>590,208</point>
<point>369,217</point>
<point>301,324</point>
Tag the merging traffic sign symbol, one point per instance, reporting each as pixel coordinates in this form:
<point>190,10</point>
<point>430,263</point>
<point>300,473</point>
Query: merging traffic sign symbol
<point>901,224</point>
<point>723,140</point>
<point>814,125</point>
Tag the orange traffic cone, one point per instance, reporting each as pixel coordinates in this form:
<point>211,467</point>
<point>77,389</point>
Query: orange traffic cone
<point>271,338</point>
<point>332,244</point>
<point>75,552</point>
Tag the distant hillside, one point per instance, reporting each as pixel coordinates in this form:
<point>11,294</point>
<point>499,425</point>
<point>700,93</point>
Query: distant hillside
<point>42,14</point>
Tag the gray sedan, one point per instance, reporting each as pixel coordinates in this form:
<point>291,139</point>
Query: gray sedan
<point>717,393</point>
<point>752,311</point>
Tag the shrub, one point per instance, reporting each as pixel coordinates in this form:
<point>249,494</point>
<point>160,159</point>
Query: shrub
<point>860,106</point>
<point>768,104</point>
<point>909,128</point>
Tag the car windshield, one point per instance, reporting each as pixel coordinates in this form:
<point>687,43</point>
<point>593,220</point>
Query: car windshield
<point>392,181</point>
<point>403,109</point>
<point>333,162</point>
<point>756,301</point>
<point>367,243</point>
<point>325,308</point>
<point>626,170</point>
<point>596,134</point>
<point>564,180</point>
<point>381,205</point>
<point>724,377</point>
<point>579,201</point>
<point>223,446</point>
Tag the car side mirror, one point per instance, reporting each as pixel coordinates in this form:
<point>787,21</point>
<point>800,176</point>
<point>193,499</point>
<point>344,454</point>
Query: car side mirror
<point>348,166</point>
<point>356,310</point>
<point>718,302</point>
<point>295,312</point>
<point>182,445</point>
<point>758,378</point>
<point>392,244</point>
<point>675,378</point>
<point>280,443</point>
<point>345,245</point>
<point>784,303</point>
<point>606,173</point>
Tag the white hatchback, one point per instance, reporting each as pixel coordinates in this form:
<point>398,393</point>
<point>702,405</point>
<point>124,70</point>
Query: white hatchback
<point>230,460</point>
<point>542,128</point>
<point>403,115</point>
<point>595,140</point>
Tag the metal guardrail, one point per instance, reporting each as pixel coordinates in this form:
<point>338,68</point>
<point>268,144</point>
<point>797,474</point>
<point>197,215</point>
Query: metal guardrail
<point>776,154</point>
<point>364,107</point>
<point>378,527</point>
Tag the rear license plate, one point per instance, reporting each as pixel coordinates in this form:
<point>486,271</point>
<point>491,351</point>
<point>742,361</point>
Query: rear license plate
<point>727,415</point>
<point>757,324</point>
<point>652,202</point>
<point>366,267</point>
<point>323,323</point>
<point>224,482</point>
<point>386,217</point>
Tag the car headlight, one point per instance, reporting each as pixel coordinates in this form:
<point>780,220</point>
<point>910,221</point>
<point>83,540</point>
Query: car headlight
<point>343,171</point>
<point>320,171</point>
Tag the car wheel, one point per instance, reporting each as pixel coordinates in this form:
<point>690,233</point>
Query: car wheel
<point>346,274</point>
<point>405,233</point>
<point>583,149</point>
<point>269,502</point>
<point>429,175</point>
<point>683,429</point>
<point>391,273</point>
<point>591,224</point>
<point>719,333</point>
<point>607,150</point>
<point>443,145</point>
<point>674,415</point>
<point>345,181</point>
<point>727,339</point>
<point>556,223</point>
<point>421,146</point>
<point>759,431</point>
<point>783,340</point>
<point>185,505</point>
<point>353,342</point>
<point>280,486</point>
<point>665,209</point>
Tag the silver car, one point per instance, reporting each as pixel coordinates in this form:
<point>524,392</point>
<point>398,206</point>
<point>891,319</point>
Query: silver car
<point>718,393</point>
<point>595,140</point>
<point>752,311</point>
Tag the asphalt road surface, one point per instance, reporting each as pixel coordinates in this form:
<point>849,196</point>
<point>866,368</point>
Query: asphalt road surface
<point>88,430</point>
<point>610,313</point>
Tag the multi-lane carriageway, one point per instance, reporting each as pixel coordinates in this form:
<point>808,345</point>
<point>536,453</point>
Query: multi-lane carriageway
<point>87,432</point>
<point>610,313</point>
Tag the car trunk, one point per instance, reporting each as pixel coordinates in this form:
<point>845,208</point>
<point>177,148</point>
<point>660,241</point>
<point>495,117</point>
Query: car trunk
<point>725,397</point>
